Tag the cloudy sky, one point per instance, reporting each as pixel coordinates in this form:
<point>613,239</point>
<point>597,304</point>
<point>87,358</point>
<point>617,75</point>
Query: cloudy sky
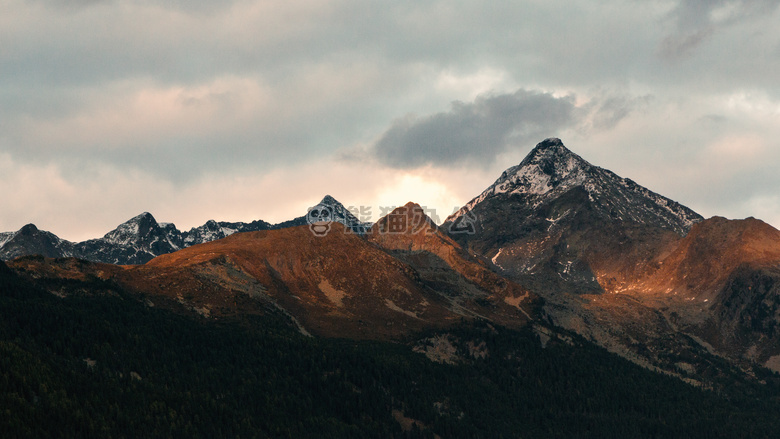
<point>242,110</point>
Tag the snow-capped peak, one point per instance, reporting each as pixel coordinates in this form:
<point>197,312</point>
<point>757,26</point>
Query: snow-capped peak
<point>550,170</point>
<point>210,231</point>
<point>549,167</point>
<point>329,200</point>
<point>132,230</point>
<point>5,237</point>
<point>342,215</point>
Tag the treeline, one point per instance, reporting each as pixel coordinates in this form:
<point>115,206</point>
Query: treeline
<point>100,363</point>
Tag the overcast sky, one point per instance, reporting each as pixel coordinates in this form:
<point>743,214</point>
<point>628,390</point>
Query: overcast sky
<point>243,110</point>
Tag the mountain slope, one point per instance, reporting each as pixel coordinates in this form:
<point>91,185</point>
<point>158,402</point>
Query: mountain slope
<point>335,284</point>
<point>559,218</point>
<point>722,282</point>
<point>571,232</point>
<point>30,240</point>
<point>678,288</point>
<point>142,238</point>
<point>410,235</point>
<point>627,268</point>
<point>102,362</point>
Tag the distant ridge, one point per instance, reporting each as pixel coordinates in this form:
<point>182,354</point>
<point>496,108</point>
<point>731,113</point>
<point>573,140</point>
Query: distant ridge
<point>141,238</point>
<point>340,214</point>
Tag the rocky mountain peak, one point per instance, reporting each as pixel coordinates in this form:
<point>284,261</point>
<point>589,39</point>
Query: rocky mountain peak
<point>551,170</point>
<point>549,147</point>
<point>135,241</point>
<point>409,219</point>
<point>551,157</point>
<point>548,170</point>
<point>27,230</point>
<point>31,240</point>
<point>549,166</point>
<point>329,200</point>
<point>133,229</point>
<point>341,214</point>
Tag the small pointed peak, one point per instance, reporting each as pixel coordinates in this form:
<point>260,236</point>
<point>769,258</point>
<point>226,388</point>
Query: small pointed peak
<point>550,146</point>
<point>28,229</point>
<point>329,200</point>
<point>143,221</point>
<point>402,223</point>
<point>146,216</point>
<point>550,141</point>
<point>130,230</point>
<point>409,210</point>
<point>550,165</point>
<point>552,157</point>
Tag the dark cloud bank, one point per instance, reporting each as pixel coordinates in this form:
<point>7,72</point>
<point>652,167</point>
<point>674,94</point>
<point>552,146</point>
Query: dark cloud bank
<point>474,132</point>
<point>477,132</point>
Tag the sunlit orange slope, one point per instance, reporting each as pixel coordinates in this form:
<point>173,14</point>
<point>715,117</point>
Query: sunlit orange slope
<point>409,234</point>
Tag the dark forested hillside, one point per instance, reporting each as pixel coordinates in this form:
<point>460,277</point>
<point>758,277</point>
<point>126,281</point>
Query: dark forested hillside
<point>101,363</point>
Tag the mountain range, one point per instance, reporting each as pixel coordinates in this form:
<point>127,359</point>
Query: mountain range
<point>142,238</point>
<point>556,243</point>
<point>630,269</point>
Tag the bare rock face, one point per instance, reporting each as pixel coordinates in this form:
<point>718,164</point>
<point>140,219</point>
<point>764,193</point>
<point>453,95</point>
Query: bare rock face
<point>337,284</point>
<point>380,285</point>
<point>636,272</point>
<point>30,240</point>
<point>562,223</point>
<point>135,241</point>
<point>444,266</point>
<point>377,285</point>
<point>722,284</point>
<point>141,238</point>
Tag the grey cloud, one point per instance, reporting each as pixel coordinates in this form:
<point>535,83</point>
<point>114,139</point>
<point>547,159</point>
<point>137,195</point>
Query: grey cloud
<point>681,45</point>
<point>70,5</point>
<point>541,44</point>
<point>189,6</point>
<point>606,111</point>
<point>695,21</point>
<point>718,12</point>
<point>475,132</point>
